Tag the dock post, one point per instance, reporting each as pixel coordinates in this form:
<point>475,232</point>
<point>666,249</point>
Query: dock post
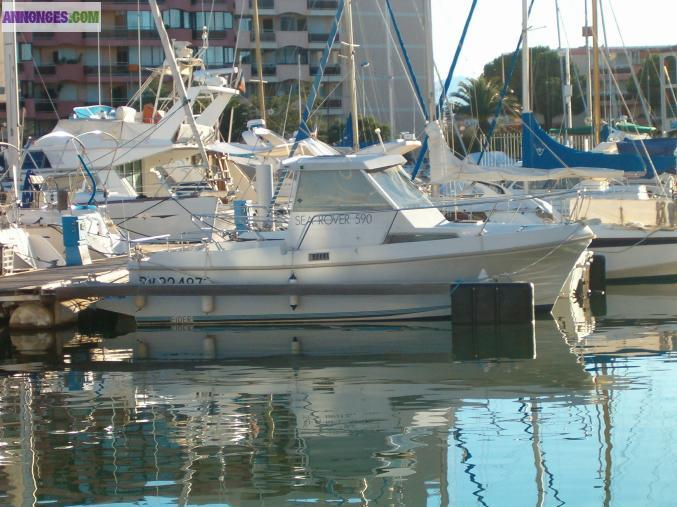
<point>77,253</point>
<point>492,303</point>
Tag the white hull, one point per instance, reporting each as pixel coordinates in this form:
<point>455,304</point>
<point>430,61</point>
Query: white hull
<point>190,219</point>
<point>547,265</point>
<point>636,253</point>
<point>45,235</point>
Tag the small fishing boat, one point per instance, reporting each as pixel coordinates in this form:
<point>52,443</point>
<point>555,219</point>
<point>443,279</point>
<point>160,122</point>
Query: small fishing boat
<point>354,220</point>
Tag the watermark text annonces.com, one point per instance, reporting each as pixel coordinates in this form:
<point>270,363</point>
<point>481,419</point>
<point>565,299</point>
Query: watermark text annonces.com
<point>51,16</point>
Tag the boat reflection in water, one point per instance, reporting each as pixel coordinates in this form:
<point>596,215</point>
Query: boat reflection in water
<point>384,415</point>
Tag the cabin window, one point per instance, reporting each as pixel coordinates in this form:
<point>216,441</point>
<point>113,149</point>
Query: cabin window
<point>336,190</point>
<point>397,185</point>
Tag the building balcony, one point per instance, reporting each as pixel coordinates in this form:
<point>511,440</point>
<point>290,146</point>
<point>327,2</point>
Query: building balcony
<point>63,72</point>
<point>292,6</point>
<point>330,71</point>
<point>213,34</point>
<point>267,40</point>
<point>299,39</point>
<point>322,7</point>
<point>41,39</point>
<point>265,6</point>
<point>47,70</point>
<point>331,104</point>
<point>112,69</point>
<point>269,69</point>
<point>319,40</point>
<point>126,2</point>
<point>113,34</point>
<point>290,72</point>
<point>42,108</point>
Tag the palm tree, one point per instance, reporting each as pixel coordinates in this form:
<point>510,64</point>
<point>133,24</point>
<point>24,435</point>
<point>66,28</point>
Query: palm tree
<point>478,98</point>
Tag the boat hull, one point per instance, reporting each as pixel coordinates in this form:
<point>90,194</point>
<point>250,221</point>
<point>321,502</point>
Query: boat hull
<point>547,266</point>
<point>637,254</point>
<point>189,219</point>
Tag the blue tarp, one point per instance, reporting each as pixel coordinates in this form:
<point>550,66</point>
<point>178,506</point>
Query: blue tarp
<point>89,112</point>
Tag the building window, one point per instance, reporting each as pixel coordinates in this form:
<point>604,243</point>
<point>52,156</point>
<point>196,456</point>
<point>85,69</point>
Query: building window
<point>219,56</point>
<point>293,24</point>
<point>151,56</point>
<point>245,24</point>
<point>213,20</point>
<point>214,56</point>
<point>67,55</point>
<point>244,56</point>
<point>142,19</point>
<point>25,52</point>
<point>289,55</point>
<point>229,55</point>
<point>176,18</point>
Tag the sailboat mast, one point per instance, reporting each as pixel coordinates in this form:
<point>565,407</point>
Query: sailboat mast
<point>12,155</point>
<point>568,90</point>
<point>352,76</point>
<point>596,110</point>
<point>259,59</point>
<point>526,84</point>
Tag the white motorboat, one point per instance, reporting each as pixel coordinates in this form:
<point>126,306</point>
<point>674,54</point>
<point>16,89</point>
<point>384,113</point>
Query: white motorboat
<point>153,149</point>
<point>354,220</point>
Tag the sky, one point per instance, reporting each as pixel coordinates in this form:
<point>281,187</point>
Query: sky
<point>496,26</point>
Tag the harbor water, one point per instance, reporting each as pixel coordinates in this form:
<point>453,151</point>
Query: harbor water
<point>577,410</point>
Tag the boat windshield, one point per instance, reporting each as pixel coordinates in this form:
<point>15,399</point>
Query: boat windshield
<point>337,190</point>
<point>396,184</point>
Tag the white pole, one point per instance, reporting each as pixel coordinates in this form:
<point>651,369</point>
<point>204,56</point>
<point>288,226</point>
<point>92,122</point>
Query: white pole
<point>526,95</point>
<point>298,63</point>
<point>138,48</point>
<point>98,64</point>
<point>568,89</point>
<point>12,156</point>
<point>663,70</point>
<point>391,81</point>
<point>351,75</point>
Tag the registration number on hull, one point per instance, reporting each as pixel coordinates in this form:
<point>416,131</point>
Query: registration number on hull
<point>171,280</point>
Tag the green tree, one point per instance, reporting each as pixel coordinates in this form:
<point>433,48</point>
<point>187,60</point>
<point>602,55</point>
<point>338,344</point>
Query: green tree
<point>479,97</point>
<point>649,83</point>
<point>367,125</point>
<point>546,82</point>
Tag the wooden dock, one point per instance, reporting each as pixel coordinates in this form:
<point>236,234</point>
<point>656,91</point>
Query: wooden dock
<point>29,300</point>
<point>40,283</point>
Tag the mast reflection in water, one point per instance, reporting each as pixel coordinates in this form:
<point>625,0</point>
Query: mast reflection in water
<point>577,410</point>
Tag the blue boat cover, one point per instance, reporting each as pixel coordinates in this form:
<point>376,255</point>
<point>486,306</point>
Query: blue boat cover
<point>541,151</point>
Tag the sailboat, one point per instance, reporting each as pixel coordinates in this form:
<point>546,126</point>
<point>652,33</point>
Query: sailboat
<point>176,198</point>
<point>44,245</point>
<point>635,229</point>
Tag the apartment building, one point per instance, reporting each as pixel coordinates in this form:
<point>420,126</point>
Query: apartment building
<point>616,99</point>
<point>59,71</point>
<point>295,32</point>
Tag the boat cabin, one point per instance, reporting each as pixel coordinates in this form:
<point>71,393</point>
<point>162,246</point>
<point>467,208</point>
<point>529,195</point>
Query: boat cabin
<point>357,200</point>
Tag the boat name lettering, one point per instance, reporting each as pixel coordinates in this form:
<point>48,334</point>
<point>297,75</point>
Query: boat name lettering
<point>337,219</point>
<point>171,280</point>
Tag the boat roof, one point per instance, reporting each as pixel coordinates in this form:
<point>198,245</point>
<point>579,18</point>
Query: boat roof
<point>344,162</point>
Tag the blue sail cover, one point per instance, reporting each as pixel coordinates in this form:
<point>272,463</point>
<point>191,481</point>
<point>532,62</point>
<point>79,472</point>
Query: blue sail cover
<point>661,146</point>
<point>541,151</point>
